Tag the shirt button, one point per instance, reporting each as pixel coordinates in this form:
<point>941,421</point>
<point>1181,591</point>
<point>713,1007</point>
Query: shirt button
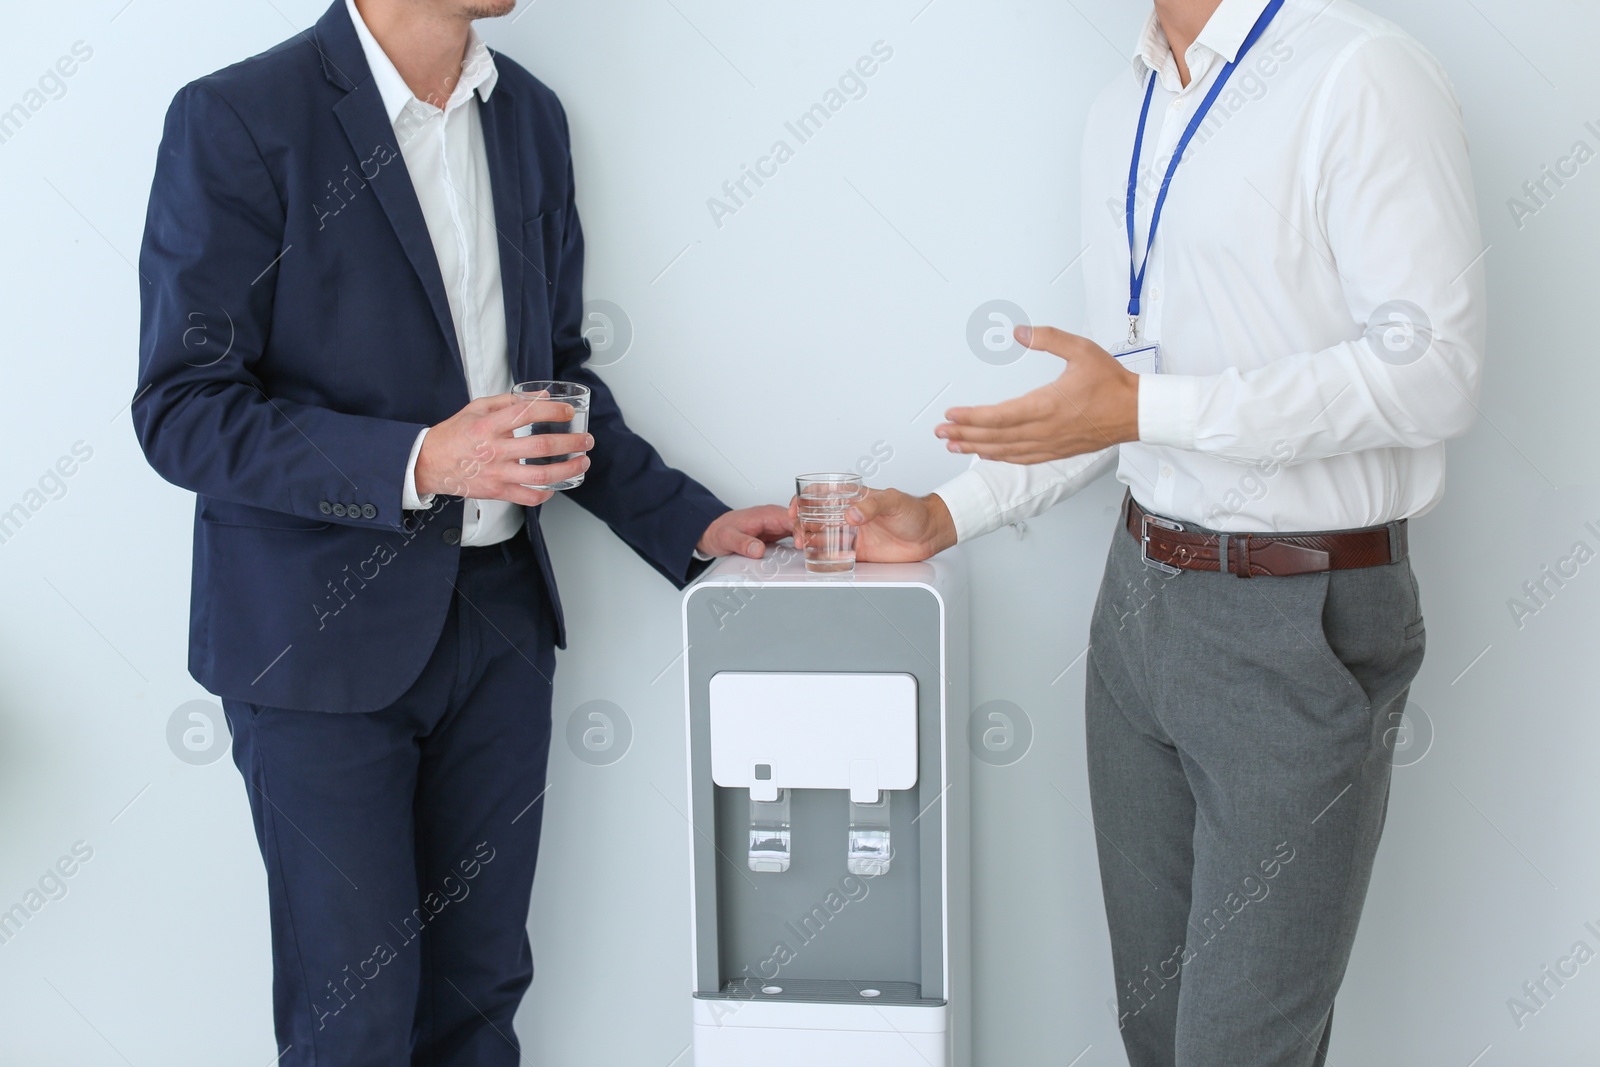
<point>1166,472</point>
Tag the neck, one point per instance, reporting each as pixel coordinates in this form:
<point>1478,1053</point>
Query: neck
<point>425,45</point>
<point>1182,21</point>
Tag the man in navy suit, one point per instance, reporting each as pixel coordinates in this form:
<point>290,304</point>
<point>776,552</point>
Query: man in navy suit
<point>356,243</point>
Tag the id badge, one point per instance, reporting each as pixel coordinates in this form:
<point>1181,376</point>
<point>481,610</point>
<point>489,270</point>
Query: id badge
<point>1141,358</point>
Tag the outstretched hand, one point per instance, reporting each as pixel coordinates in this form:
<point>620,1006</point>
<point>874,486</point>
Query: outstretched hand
<point>1094,404</point>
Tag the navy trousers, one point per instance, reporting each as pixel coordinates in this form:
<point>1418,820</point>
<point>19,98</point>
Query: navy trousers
<point>400,844</point>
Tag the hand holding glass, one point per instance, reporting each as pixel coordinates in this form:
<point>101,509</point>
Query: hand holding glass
<point>575,396</point>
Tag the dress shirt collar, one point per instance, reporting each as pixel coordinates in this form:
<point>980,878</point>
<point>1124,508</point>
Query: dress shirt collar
<point>478,72</point>
<point>1221,38</point>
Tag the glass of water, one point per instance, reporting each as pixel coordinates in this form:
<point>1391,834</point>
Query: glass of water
<point>570,393</point>
<point>823,531</point>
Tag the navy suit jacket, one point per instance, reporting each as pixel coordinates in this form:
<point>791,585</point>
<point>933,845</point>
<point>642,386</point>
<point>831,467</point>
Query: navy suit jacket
<point>296,336</point>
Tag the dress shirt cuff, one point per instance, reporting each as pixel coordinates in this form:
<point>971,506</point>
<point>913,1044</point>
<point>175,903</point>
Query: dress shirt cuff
<point>1169,406</point>
<point>409,500</point>
<point>701,557</point>
<point>972,505</point>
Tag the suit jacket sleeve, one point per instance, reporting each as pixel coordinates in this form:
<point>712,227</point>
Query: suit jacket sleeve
<point>658,511</point>
<point>213,237</point>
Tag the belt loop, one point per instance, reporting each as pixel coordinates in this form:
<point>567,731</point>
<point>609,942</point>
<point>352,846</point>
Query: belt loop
<point>1222,552</point>
<point>1397,541</point>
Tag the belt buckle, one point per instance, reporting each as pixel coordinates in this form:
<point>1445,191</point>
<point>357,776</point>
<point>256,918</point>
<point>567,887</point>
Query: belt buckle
<point>1147,520</point>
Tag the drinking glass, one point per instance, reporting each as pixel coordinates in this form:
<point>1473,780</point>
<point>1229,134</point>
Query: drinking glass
<point>823,533</point>
<point>577,396</point>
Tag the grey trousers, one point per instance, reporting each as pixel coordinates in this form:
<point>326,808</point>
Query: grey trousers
<point>1240,740</point>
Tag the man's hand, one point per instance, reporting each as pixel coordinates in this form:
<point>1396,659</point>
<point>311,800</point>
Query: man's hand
<point>1093,405</point>
<point>474,454</point>
<point>746,532</point>
<point>895,527</point>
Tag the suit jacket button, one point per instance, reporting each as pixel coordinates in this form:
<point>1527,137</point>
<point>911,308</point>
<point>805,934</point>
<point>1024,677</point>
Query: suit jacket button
<point>452,536</point>
<point>368,511</point>
<point>325,507</point>
<point>338,509</point>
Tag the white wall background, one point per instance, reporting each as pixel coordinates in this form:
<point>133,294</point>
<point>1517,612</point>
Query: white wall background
<point>824,318</point>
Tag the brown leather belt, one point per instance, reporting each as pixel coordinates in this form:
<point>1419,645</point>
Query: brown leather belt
<point>1170,546</point>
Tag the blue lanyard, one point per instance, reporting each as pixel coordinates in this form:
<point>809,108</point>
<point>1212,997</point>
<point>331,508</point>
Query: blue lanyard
<point>1136,270</point>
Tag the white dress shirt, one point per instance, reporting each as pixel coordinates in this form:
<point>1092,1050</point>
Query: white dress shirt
<point>1327,193</point>
<point>449,166</point>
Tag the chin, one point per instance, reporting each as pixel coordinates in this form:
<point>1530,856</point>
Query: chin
<point>488,9</point>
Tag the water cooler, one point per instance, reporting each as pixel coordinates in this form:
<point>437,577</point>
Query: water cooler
<point>828,801</point>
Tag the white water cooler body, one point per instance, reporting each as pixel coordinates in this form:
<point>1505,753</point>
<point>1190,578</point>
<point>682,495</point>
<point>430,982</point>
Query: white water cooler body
<point>828,800</point>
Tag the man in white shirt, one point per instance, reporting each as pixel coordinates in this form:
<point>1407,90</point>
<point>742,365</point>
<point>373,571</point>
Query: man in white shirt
<point>357,241</point>
<point>1297,342</point>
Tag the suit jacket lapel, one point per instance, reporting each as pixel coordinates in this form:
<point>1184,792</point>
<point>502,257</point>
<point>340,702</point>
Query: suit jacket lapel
<point>366,124</point>
<point>505,179</point>
<point>368,127</point>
